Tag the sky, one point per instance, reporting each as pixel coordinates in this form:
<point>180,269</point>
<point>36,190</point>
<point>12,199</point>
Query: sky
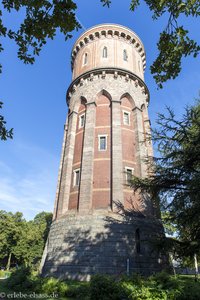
<point>35,105</point>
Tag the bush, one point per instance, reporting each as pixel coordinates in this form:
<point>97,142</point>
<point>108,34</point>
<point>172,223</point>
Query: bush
<point>105,287</point>
<point>20,280</point>
<point>52,285</point>
<point>74,289</point>
<point>135,292</point>
<point>78,290</point>
<point>190,291</point>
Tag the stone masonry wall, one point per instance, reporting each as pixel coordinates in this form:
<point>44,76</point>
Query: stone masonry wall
<point>80,246</point>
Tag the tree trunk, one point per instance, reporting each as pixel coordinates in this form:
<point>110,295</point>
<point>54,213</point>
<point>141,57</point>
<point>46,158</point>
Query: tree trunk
<point>171,259</point>
<point>196,267</point>
<point>9,261</point>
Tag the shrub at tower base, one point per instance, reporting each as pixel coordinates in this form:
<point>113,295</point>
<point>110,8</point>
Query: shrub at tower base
<point>161,286</point>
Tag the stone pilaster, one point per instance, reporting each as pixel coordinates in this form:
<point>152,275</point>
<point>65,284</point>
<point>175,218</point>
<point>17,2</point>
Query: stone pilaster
<point>117,166</point>
<point>66,172</point>
<point>60,169</point>
<point>141,148</point>
<point>86,186</point>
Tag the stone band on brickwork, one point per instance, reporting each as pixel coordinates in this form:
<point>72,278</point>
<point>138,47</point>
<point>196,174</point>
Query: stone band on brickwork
<point>102,72</point>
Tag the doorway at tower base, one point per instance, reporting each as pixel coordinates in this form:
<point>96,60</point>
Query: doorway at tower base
<point>79,246</point>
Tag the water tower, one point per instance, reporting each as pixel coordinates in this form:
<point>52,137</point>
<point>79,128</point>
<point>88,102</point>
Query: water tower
<point>100,225</point>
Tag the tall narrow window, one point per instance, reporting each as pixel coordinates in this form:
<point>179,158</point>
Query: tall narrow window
<point>85,58</point>
<point>126,118</point>
<point>76,177</point>
<point>81,120</point>
<point>102,143</point>
<point>105,52</point>
<point>129,174</point>
<point>137,240</point>
<point>125,55</point>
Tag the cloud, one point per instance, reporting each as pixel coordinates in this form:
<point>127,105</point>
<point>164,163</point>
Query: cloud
<point>28,181</point>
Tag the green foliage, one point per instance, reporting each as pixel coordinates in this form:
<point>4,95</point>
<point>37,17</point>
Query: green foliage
<point>170,227</point>
<point>4,132</point>
<point>77,289</point>
<point>23,240</point>
<point>68,288</point>
<point>20,280</point>
<point>172,46</point>
<point>141,293</point>
<point>161,286</point>
<point>4,274</point>
<point>174,42</point>
<point>190,290</point>
<point>176,176</point>
<point>104,287</point>
<point>11,226</point>
<point>51,285</point>
<point>42,19</point>
<point>32,240</point>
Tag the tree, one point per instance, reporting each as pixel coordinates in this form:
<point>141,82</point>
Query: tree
<point>23,240</point>
<point>11,226</point>
<point>175,175</point>
<point>31,242</point>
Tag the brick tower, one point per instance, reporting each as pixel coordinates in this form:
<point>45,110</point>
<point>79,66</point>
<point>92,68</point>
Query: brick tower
<point>99,224</point>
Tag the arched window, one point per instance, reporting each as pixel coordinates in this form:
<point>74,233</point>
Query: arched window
<point>105,52</point>
<point>137,240</point>
<point>125,55</point>
<point>85,58</point>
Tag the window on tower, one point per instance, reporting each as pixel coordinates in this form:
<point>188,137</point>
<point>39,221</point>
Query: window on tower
<point>137,241</point>
<point>129,174</point>
<point>126,118</point>
<point>105,52</point>
<point>102,142</point>
<point>81,120</point>
<point>76,177</point>
<point>125,55</point>
<point>85,58</point>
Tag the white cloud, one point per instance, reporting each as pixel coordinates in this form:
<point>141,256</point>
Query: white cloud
<point>28,185</point>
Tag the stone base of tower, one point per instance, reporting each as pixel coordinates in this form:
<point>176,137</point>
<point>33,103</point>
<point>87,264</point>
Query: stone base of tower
<point>79,246</point>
